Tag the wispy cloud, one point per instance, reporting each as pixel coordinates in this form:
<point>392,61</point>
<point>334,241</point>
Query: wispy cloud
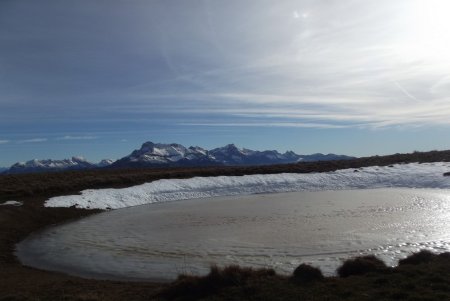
<point>405,91</point>
<point>68,137</point>
<point>33,140</point>
<point>294,63</point>
<point>4,141</point>
<point>396,107</point>
<point>269,124</point>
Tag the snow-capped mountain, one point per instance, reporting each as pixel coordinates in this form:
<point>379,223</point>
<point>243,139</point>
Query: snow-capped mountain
<point>232,155</point>
<point>159,154</point>
<point>74,163</point>
<point>105,163</point>
<point>167,155</point>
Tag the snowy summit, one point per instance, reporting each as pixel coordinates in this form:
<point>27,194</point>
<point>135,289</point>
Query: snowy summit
<point>74,163</point>
<point>158,154</point>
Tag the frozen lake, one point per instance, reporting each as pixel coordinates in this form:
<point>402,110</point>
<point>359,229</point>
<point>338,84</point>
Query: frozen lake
<point>159,241</point>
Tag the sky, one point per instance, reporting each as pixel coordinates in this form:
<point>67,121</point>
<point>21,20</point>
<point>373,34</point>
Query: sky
<point>98,78</point>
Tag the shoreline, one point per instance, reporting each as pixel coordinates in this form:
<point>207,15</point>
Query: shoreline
<point>24,282</point>
<point>91,237</point>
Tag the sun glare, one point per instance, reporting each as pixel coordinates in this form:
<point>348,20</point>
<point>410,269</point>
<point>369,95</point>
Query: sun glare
<point>425,33</point>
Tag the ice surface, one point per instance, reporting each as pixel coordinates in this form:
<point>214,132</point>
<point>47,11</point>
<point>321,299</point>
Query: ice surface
<point>280,231</point>
<point>412,175</point>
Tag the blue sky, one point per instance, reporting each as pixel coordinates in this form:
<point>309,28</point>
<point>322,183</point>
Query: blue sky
<point>98,78</point>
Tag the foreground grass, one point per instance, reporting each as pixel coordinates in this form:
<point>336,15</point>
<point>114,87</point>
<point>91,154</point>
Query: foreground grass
<point>366,278</point>
<point>422,276</point>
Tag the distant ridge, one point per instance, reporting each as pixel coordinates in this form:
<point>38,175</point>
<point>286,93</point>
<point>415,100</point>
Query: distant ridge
<point>175,155</point>
<point>49,165</point>
<point>161,155</point>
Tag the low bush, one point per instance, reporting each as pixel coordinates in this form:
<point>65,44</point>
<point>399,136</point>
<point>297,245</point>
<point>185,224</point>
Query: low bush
<point>235,275</point>
<point>445,255</point>
<point>423,256</point>
<point>195,287</point>
<point>307,273</point>
<point>360,266</point>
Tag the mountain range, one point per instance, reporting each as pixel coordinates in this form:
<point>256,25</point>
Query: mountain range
<point>48,165</point>
<point>176,155</point>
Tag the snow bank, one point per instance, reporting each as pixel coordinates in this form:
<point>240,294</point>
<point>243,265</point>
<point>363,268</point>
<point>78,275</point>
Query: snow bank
<point>412,175</point>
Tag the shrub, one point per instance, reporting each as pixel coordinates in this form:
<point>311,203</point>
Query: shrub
<point>236,275</point>
<point>360,266</point>
<point>445,255</point>
<point>307,273</point>
<point>423,256</point>
<point>195,287</point>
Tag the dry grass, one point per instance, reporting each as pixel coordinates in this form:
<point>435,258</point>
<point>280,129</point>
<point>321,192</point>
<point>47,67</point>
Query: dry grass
<point>427,281</point>
<point>423,256</point>
<point>194,287</point>
<point>361,265</point>
<point>305,273</point>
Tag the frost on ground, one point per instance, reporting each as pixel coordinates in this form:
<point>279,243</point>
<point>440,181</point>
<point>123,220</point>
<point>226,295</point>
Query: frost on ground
<point>414,175</point>
<point>11,203</point>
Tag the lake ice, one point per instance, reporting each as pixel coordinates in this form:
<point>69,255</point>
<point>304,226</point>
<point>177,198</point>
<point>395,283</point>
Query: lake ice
<point>161,240</point>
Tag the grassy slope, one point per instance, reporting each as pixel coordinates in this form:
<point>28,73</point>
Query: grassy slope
<point>22,283</point>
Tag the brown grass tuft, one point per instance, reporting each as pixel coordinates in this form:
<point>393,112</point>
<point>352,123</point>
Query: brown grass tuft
<point>361,265</point>
<point>195,287</point>
<point>307,273</point>
<point>424,256</point>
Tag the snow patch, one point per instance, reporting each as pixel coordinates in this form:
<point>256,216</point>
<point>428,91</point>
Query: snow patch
<point>414,175</point>
<point>11,203</point>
